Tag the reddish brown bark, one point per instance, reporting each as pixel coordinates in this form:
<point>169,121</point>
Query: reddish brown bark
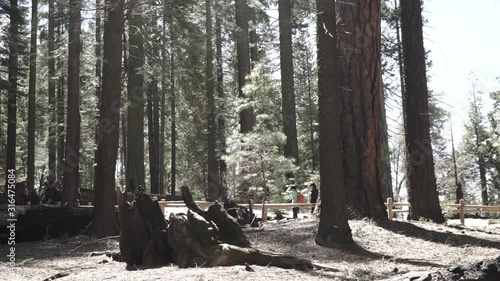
<point>361,92</point>
<point>423,194</point>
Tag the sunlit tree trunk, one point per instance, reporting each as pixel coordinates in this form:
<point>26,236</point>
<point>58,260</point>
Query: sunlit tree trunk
<point>423,194</point>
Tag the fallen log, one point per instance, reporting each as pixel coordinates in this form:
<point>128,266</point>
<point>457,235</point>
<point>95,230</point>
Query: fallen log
<point>46,222</point>
<point>198,238</point>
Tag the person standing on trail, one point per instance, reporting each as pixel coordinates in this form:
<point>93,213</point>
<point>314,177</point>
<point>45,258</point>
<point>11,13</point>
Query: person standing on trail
<point>313,197</point>
<point>293,190</point>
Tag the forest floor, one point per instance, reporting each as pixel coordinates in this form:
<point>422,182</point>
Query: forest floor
<point>384,251</point>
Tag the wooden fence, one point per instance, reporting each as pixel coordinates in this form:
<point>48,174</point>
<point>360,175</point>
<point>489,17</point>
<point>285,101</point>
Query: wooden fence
<point>264,206</point>
<point>460,209</point>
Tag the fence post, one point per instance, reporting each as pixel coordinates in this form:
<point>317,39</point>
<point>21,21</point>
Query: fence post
<point>462,211</point>
<point>264,211</point>
<point>389,208</point>
<point>250,204</point>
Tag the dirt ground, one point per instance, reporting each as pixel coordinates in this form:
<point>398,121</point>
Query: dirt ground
<point>385,251</point>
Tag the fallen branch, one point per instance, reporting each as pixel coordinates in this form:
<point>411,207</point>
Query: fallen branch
<point>94,241</point>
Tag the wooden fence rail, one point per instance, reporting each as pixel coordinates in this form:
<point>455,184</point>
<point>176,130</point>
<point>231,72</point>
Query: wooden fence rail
<point>264,206</point>
<point>460,209</point>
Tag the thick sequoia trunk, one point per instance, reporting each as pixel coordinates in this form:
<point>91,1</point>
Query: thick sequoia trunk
<point>361,92</point>
<point>104,223</point>
<point>135,171</point>
<point>221,120</point>
<point>423,194</point>
<point>333,227</point>
<point>199,237</point>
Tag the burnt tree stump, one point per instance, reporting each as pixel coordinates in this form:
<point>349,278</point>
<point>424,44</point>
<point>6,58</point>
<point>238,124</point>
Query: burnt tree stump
<point>198,238</point>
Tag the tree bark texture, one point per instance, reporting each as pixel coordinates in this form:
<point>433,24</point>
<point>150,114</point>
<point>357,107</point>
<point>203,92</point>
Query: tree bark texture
<point>423,194</point>
<point>361,92</point>
<point>135,171</point>
<point>333,227</point>
<point>72,152</point>
<point>104,223</point>
<point>291,149</point>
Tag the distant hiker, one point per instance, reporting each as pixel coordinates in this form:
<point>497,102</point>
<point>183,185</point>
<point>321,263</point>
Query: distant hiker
<point>293,190</point>
<point>313,198</point>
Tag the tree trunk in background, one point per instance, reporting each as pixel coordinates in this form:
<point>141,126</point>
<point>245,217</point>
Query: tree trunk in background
<point>153,135</point>
<point>98,74</point>
<point>163,98</point>
<point>32,97</point>
<point>72,153</point>
<point>214,190</point>
<point>287,83</point>
<point>173,133</point>
<point>243,50</point>
<point>13,65</point>
<point>60,106</point>
<point>52,137</point>
<point>333,227</point>
<point>123,113</point>
<point>221,120</point>
<point>254,39</point>
<point>423,194</point>
<point>481,162</point>
<point>105,223</point>
<point>135,171</point>
<point>311,114</point>
<point>386,177</point>
<point>361,91</point>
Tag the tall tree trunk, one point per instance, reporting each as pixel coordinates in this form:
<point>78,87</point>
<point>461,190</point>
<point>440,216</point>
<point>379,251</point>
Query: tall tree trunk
<point>60,101</point>
<point>221,120</point>
<point>386,172</point>
<point>15,21</point>
<point>173,133</point>
<point>123,112</point>
<point>135,171</point>
<point>459,192</point>
<point>163,98</point>
<point>287,83</point>
<point>214,191</point>
<point>481,162</point>
<point>98,65</point>
<point>32,97</point>
<point>254,39</point>
<point>333,227</point>
<point>362,89</point>
<point>399,46</point>
<point>423,194</point>
<point>153,136</point>
<point>311,114</point>
<point>72,153</point>
<point>243,50</point>
<point>52,137</point>
<point>105,223</point>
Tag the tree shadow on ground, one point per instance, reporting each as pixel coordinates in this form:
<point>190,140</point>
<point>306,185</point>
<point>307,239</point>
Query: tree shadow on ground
<point>448,238</point>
